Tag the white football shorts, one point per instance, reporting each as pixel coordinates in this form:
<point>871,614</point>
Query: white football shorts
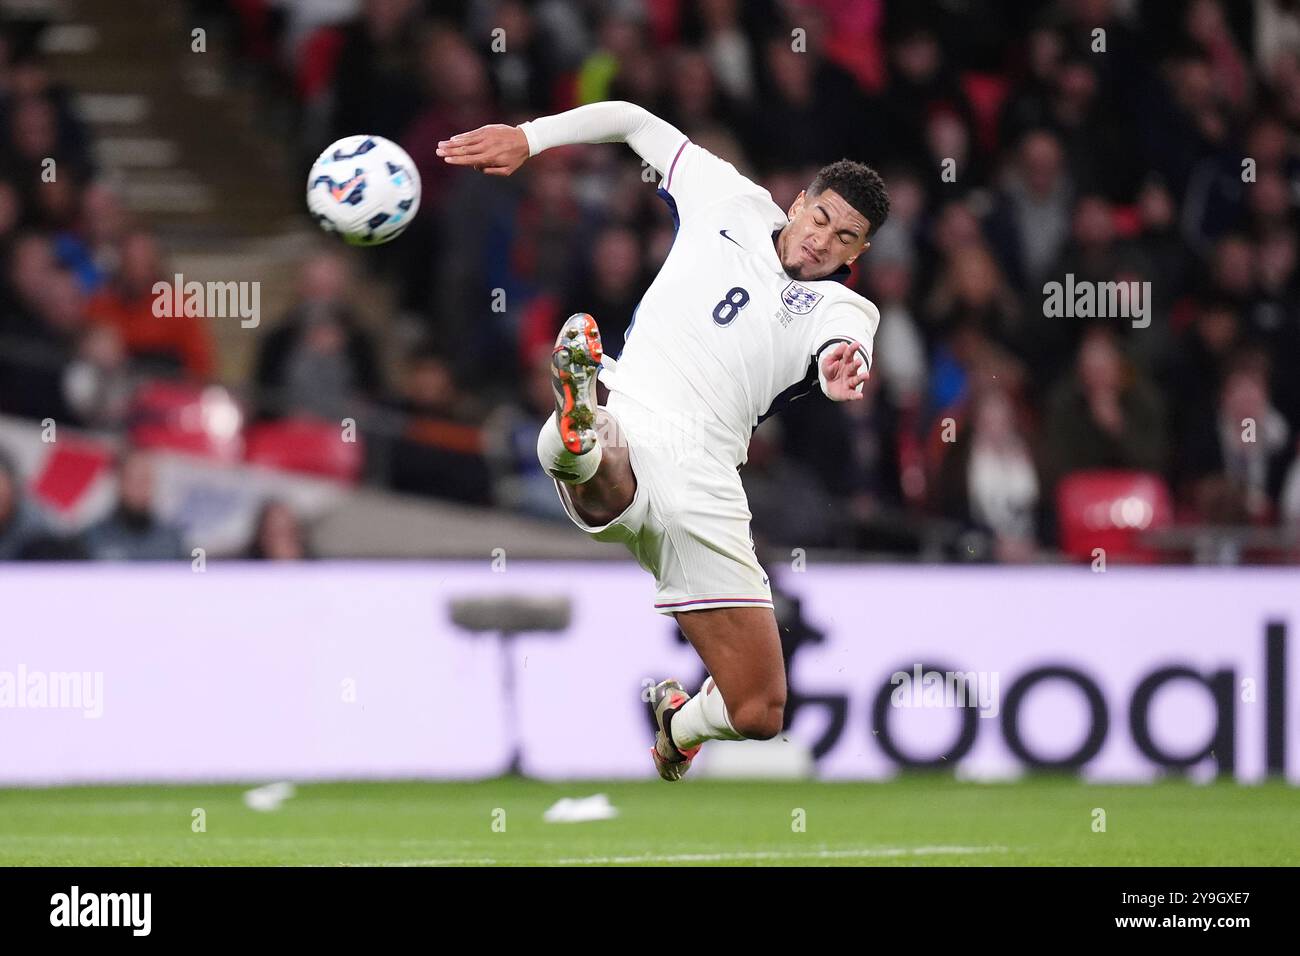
<point>688,523</point>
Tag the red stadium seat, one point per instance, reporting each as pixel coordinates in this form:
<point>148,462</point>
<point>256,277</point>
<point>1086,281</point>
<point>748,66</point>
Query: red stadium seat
<point>1111,510</point>
<point>187,417</point>
<point>306,445</point>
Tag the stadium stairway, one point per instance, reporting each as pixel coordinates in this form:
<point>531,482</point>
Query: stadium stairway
<point>191,148</point>
<point>169,124</point>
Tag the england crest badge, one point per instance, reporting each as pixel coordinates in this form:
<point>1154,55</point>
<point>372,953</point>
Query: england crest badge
<point>799,299</point>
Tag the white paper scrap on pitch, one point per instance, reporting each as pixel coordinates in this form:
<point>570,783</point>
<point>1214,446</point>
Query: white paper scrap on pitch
<point>269,797</point>
<point>581,809</point>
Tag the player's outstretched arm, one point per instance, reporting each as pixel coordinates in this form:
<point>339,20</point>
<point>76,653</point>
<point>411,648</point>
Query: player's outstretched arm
<point>499,150</point>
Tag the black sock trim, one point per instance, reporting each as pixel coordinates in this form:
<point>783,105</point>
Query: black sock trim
<point>668,732</point>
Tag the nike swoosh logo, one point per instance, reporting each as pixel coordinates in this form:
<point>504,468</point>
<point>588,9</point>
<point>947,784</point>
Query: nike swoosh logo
<point>339,192</point>
<point>723,234</point>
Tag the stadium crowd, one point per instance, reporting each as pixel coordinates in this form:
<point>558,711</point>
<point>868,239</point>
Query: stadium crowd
<point>1023,143</point>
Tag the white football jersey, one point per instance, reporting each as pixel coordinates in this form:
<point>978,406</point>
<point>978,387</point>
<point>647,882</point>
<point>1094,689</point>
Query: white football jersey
<point>723,337</point>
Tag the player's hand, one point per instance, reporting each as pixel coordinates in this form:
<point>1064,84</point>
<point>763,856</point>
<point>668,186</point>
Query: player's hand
<point>497,150</point>
<point>843,370</point>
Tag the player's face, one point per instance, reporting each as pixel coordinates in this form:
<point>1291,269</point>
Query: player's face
<point>824,233</point>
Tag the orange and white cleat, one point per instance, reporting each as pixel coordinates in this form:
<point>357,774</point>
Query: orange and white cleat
<point>668,697</point>
<point>574,365</point>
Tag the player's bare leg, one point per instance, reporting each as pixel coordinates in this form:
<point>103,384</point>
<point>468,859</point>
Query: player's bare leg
<point>744,696</point>
<point>581,445</point>
<point>609,491</point>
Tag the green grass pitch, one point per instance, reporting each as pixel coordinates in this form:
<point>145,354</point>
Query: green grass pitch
<point>925,820</point>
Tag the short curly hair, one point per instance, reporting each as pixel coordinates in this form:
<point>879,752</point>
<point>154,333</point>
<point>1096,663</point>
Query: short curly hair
<point>861,187</point>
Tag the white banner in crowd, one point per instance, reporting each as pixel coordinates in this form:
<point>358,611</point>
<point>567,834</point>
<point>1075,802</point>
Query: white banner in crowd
<point>74,482</point>
<point>344,670</point>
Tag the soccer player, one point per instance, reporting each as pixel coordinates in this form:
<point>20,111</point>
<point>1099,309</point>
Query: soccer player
<point>748,312</point>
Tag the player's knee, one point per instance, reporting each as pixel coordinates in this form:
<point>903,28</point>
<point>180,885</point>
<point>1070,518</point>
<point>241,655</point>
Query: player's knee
<point>591,507</point>
<point>760,717</point>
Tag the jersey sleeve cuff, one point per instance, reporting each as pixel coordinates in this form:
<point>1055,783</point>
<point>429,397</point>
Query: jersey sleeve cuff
<point>529,134</point>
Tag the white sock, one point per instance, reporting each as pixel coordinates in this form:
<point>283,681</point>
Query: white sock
<point>703,717</point>
<point>561,463</point>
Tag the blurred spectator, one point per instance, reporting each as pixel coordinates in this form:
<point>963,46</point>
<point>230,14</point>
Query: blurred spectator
<point>1093,252</point>
<point>173,343</point>
<point>696,101</point>
<point>1275,319</point>
<point>851,450</point>
<point>40,119</point>
<point>317,361</point>
<point>966,359</point>
<point>522,69</point>
<point>1105,414</point>
<point>1284,86</point>
<point>900,363</point>
<point>618,42</point>
<point>28,269</point>
<point>1220,197</point>
<point>56,205</point>
<point>727,47</point>
<point>921,82</point>
<point>971,291</point>
<point>951,145</point>
<point>22,524</point>
<point>1032,224</point>
<point>278,535</point>
<point>1185,122</point>
<point>1277,30</point>
<point>1207,27</point>
<point>440,452</point>
<point>532,250</point>
<point>640,79</point>
<point>612,286</point>
<point>46,316</point>
<point>132,532</point>
<point>974,320</point>
<point>1232,271</point>
<point>1161,247</point>
<point>97,383</point>
<point>1028,104</point>
<point>907,210</point>
<point>1201,360</point>
<point>788,502</point>
<point>989,480</point>
<point>511,443</point>
<point>377,66</point>
<point>458,98</point>
<point>797,121</point>
<point>1236,453</point>
<point>954,229</point>
<point>89,245</point>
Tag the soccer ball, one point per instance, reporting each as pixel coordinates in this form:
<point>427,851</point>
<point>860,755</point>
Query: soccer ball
<point>365,189</point>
